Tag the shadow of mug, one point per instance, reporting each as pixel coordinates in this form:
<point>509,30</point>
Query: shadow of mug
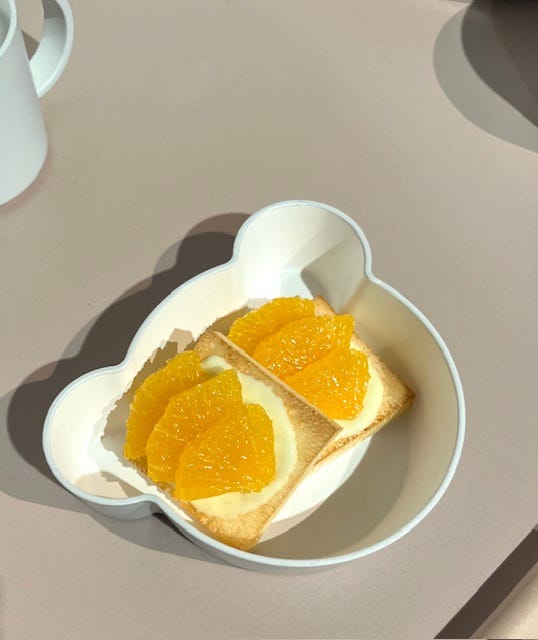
<point>485,60</point>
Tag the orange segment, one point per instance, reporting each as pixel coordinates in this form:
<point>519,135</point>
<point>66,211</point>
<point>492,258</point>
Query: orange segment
<point>303,341</point>
<point>249,330</point>
<point>187,415</point>
<point>233,455</point>
<point>336,384</point>
<point>151,398</point>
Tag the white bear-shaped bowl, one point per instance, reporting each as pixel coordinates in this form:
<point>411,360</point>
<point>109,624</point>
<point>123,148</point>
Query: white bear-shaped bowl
<point>353,506</point>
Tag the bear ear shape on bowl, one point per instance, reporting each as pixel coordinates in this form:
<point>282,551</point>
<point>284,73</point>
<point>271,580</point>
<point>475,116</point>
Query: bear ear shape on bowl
<point>379,490</point>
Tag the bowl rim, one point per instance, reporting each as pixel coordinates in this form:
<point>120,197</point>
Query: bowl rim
<point>194,534</point>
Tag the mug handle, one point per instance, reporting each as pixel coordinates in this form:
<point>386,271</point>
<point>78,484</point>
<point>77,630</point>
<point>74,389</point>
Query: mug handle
<point>55,45</point>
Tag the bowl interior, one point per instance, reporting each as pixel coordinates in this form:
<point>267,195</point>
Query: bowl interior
<point>289,250</point>
<point>406,462</point>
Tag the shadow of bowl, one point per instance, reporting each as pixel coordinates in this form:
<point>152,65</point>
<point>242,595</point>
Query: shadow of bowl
<point>104,341</point>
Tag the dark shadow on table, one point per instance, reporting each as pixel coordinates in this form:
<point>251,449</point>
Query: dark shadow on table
<point>24,472</point>
<point>468,621</point>
<point>485,60</point>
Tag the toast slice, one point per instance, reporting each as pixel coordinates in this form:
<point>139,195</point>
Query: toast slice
<point>395,399</point>
<point>313,433</point>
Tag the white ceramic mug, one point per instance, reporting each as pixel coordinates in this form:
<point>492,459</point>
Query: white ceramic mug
<point>23,138</point>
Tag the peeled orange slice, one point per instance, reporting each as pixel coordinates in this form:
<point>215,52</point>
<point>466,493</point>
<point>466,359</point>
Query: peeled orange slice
<point>151,398</point>
<point>235,454</point>
<point>249,330</point>
<point>336,384</point>
<point>187,415</point>
<point>303,341</point>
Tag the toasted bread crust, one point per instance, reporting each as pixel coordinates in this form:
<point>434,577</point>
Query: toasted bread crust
<point>397,397</point>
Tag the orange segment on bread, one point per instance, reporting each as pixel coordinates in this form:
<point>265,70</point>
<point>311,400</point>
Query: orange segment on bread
<point>394,397</point>
<point>247,333</point>
<point>336,384</point>
<point>152,397</point>
<point>301,342</point>
<point>187,416</point>
<point>236,453</point>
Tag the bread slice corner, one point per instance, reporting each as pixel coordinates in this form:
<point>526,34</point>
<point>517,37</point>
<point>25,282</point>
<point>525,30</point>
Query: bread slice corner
<point>397,396</point>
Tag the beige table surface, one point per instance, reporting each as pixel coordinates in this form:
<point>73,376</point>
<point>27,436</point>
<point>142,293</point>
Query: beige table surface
<point>176,119</point>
